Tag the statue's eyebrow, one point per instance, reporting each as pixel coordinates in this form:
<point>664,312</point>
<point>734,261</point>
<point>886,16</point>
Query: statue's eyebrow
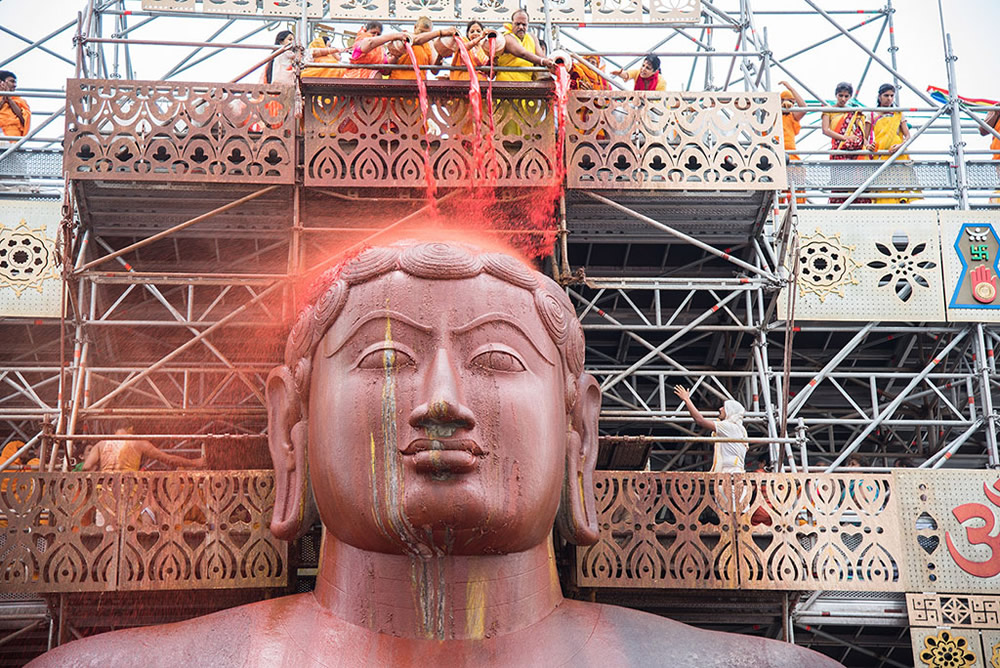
<point>381,314</point>
<point>496,316</point>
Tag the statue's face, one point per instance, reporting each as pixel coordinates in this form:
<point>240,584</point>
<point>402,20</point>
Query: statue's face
<point>437,418</point>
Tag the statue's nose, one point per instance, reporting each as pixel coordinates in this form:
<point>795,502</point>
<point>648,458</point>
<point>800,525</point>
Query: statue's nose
<point>444,402</point>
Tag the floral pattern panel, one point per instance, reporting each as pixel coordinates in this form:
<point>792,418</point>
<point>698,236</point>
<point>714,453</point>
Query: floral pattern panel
<point>30,282</point>
<point>181,132</point>
<point>674,141</point>
<point>861,266</point>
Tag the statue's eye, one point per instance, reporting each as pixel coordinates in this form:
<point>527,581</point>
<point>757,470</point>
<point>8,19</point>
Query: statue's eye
<point>386,358</point>
<point>497,360</point>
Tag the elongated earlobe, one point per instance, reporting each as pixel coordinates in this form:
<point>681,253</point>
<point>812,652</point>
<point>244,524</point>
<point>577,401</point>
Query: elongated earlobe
<point>577,517</point>
<point>287,439</point>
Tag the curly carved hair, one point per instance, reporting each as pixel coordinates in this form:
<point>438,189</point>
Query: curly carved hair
<point>433,261</point>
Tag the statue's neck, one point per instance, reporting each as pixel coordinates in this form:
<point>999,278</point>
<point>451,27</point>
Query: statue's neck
<point>442,598</point>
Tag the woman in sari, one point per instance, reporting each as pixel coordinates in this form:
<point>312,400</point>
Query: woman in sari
<point>647,77</point>
<point>320,51</point>
<point>368,50</point>
<point>586,77</point>
<point>890,131</point>
<point>475,33</point>
<point>848,131</point>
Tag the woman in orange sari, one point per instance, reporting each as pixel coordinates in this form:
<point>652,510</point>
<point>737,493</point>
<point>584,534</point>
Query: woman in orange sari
<point>848,131</point>
<point>320,51</point>
<point>475,33</point>
<point>582,77</point>
<point>368,50</point>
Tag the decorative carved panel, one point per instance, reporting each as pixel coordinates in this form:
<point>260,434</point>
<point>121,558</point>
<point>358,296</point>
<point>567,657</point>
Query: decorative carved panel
<point>674,11</point>
<point>359,10</point>
<point>948,648</point>
<point>411,10</point>
<point>139,531</point>
<point>169,5</point>
<point>569,11</point>
<point>954,610</point>
<point>752,531</point>
<point>30,283</point>
<point>661,530</point>
<point>860,265</point>
<point>674,141</point>
<point>949,529</point>
<point>167,131</point>
<point>831,531</point>
<point>229,6</point>
<point>292,8</point>
<point>493,11</point>
<point>354,138</point>
<point>617,11</point>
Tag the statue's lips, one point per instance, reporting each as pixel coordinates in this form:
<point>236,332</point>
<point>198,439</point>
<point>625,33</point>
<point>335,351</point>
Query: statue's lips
<point>444,455</point>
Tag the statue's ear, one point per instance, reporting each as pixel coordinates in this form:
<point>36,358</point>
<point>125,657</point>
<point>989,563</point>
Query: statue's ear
<point>577,518</point>
<point>287,437</point>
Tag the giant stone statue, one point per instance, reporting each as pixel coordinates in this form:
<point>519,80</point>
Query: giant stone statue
<point>433,408</point>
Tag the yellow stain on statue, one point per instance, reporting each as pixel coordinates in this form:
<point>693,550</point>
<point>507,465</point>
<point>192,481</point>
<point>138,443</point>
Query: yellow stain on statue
<point>475,608</point>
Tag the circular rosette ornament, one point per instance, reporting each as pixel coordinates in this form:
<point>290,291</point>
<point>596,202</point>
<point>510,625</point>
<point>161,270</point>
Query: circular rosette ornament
<point>27,258</point>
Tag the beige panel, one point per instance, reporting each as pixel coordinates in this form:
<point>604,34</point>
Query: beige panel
<point>492,11</point>
<point>570,11</point>
<point>168,5</point>
<point>292,8</point>
<point>674,11</point>
<point>674,141</point>
<point>229,6</point>
<point>946,648</point>
<point>868,265</point>
<point>954,610</point>
<point>975,237</point>
<point>939,553</point>
<point>359,10</point>
<point>411,10</point>
<point>30,284</point>
<point>617,11</point>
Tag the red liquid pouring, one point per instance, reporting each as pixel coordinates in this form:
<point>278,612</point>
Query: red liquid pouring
<point>491,171</point>
<point>424,106</point>
<point>561,114</point>
<point>476,106</point>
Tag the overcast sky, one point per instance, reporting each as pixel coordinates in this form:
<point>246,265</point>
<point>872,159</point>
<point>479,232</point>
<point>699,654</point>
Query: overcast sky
<point>917,30</point>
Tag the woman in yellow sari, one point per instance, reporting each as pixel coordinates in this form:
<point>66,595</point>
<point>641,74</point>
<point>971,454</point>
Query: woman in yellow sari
<point>890,130</point>
<point>848,131</point>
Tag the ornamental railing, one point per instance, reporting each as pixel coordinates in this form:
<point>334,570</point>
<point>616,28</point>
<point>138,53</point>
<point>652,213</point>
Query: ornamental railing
<point>368,133</point>
<point>183,132</point>
<point>674,141</point>
<point>911,530</point>
<point>63,532</point>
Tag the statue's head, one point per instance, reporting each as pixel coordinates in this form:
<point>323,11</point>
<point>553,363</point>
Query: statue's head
<point>433,401</point>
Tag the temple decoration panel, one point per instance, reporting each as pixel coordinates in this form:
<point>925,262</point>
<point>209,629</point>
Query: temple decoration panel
<point>617,11</point>
<point>139,531</point>
<point>948,529</point>
<point>30,284</point>
<point>954,610</point>
<point>674,141</point>
<point>661,530</point>
<point>411,10</point>
<point>293,8</point>
<point>674,11</point>
<point>559,10</point>
<point>954,648</point>
<point>229,6</point>
<point>354,138</point>
<point>169,6</point>
<point>180,132</point>
<point>358,10</point>
<point>856,265</point>
<point>970,248</point>
<point>818,532</point>
<point>751,531</point>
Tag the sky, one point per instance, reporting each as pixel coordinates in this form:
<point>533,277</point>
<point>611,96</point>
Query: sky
<point>917,30</point>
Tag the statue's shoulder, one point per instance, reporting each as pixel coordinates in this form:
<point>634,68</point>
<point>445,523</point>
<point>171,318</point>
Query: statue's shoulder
<point>232,637</point>
<point>641,638</point>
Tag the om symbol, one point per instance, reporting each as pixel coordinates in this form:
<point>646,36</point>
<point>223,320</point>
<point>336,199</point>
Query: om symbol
<point>978,535</point>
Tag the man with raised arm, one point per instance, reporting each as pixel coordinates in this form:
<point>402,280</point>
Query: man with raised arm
<point>125,454</point>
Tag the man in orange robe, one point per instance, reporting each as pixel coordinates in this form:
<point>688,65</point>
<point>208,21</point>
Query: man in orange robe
<point>15,115</point>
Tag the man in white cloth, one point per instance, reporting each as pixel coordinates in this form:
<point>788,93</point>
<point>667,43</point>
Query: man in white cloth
<point>730,456</point>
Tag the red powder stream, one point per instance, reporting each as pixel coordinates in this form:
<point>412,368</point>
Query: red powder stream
<point>561,114</point>
<point>492,165</point>
<point>424,107</point>
<point>476,107</point>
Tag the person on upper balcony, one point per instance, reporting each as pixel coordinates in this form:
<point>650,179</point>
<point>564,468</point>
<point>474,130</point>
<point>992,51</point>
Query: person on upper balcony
<point>520,50</point>
<point>647,77</point>
<point>281,69</point>
<point>993,120</point>
<point>730,456</point>
<point>15,115</point>
<point>849,132</point>
<point>791,121</point>
<point>588,77</point>
<point>890,131</point>
<point>423,33</point>
<point>320,51</point>
<point>126,454</point>
<point>475,34</point>
<point>369,50</point>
